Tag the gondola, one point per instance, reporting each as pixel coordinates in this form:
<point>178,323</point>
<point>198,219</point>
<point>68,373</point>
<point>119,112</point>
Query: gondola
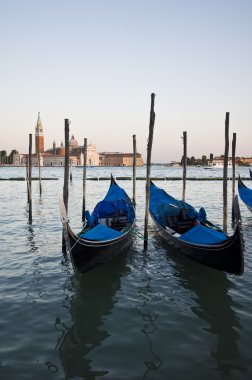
<point>106,232</point>
<point>250,173</point>
<point>245,194</point>
<point>189,231</point>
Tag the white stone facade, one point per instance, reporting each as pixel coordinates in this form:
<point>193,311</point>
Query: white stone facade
<point>92,156</point>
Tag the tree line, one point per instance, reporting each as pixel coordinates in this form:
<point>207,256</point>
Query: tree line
<point>5,158</point>
<point>198,161</point>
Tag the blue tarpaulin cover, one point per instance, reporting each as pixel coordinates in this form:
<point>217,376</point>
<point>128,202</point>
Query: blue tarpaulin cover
<point>101,233</point>
<point>116,201</point>
<point>163,205</point>
<point>115,204</point>
<point>203,235</point>
<point>245,195</point>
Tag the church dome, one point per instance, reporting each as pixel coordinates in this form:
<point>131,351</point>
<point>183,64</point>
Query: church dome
<point>73,143</point>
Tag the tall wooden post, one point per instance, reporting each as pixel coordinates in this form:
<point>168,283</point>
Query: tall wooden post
<point>66,172</point>
<point>184,163</point>
<point>147,187</point>
<point>233,174</point>
<point>134,170</point>
<point>225,169</point>
<point>30,177</point>
<point>84,179</point>
<point>66,180</point>
<point>233,165</point>
<point>27,176</point>
<point>40,186</point>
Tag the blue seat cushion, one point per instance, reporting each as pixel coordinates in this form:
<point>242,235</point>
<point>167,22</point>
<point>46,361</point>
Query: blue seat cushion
<point>101,233</point>
<point>203,235</point>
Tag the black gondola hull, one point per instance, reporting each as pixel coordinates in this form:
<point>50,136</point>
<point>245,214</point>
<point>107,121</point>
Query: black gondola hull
<point>227,256</point>
<point>85,254</point>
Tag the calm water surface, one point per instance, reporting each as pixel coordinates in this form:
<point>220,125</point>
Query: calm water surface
<point>146,315</point>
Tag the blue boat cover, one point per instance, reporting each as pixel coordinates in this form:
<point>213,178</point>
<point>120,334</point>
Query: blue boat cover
<point>163,205</point>
<point>101,233</point>
<point>203,235</point>
<point>117,202</point>
<point>245,195</point>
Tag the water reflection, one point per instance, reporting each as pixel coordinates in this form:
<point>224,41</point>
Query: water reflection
<point>92,300</point>
<point>149,328</point>
<point>149,317</point>
<point>215,306</point>
<point>36,287</point>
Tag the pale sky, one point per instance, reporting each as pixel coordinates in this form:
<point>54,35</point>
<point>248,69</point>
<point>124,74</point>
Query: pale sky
<point>97,63</point>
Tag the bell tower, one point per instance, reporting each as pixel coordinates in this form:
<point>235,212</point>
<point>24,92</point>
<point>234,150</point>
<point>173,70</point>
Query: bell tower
<point>39,136</point>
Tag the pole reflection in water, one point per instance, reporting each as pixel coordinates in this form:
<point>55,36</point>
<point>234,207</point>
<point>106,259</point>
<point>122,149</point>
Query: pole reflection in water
<point>149,318</point>
<point>215,306</point>
<point>149,328</point>
<point>36,289</point>
<point>92,300</point>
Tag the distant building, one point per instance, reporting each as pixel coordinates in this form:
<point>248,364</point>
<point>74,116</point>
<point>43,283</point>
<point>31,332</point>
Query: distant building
<point>59,160</point>
<point>55,156</point>
<point>93,158</point>
<point>39,136</point>
<point>120,159</point>
<point>218,162</point>
<point>73,143</point>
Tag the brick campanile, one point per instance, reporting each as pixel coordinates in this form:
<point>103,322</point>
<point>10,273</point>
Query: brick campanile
<point>39,136</point>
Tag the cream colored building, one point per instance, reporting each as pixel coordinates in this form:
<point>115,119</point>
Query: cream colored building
<point>121,159</point>
<point>59,160</point>
<point>92,156</point>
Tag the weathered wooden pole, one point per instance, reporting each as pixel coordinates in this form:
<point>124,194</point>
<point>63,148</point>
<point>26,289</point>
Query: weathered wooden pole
<point>184,163</point>
<point>233,173</point>
<point>30,178</point>
<point>233,165</point>
<point>66,172</point>
<point>147,187</point>
<point>71,173</point>
<point>27,175</point>
<point>40,186</point>
<point>66,180</point>
<point>134,170</point>
<point>225,170</point>
<point>84,179</point>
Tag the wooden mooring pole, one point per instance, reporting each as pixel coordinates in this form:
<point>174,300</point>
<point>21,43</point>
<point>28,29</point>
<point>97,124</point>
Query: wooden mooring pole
<point>66,172</point>
<point>184,163</point>
<point>233,173</point>
<point>233,165</point>
<point>30,178</point>
<point>225,170</point>
<point>66,178</point>
<point>147,186</point>
<point>27,175</point>
<point>84,179</point>
<point>134,171</point>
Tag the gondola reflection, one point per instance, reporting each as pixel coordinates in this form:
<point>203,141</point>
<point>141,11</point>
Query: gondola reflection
<point>92,301</point>
<point>214,305</point>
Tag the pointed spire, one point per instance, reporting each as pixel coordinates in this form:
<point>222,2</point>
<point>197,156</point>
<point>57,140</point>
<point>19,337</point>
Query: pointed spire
<point>39,126</point>
<point>39,123</point>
